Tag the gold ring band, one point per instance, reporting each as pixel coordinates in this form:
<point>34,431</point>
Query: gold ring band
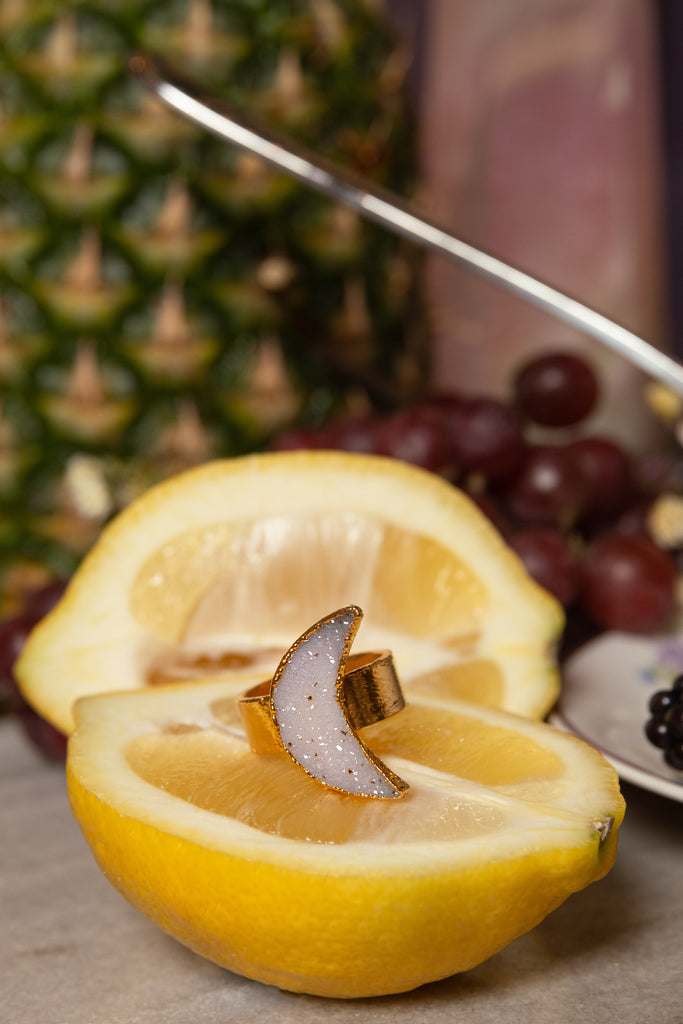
<point>317,701</point>
<point>371,692</point>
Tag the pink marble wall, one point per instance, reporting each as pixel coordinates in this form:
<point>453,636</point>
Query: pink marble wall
<point>541,143</point>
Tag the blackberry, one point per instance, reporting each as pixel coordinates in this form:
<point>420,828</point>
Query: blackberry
<point>664,727</point>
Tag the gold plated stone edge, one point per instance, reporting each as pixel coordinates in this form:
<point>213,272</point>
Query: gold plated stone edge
<point>368,691</point>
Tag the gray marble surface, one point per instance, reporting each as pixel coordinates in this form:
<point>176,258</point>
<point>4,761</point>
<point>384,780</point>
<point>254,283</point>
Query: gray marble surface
<point>72,951</point>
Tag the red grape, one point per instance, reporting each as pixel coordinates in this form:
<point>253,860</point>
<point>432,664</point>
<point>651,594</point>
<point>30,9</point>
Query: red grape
<point>633,518</point>
<point>548,490</point>
<point>43,600</point>
<point>414,435</point>
<point>354,433</point>
<point>628,583</point>
<point>49,741</point>
<point>556,390</point>
<point>607,471</point>
<point>485,436</point>
<point>442,402</point>
<point>299,438</point>
<point>549,560</point>
<point>656,472</point>
<point>13,634</point>
<point>492,510</point>
<point>15,630</point>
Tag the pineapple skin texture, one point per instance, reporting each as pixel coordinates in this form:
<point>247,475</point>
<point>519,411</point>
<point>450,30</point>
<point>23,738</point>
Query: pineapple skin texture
<point>164,298</point>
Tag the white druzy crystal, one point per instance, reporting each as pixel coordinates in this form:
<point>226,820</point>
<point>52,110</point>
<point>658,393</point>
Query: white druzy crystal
<point>310,716</point>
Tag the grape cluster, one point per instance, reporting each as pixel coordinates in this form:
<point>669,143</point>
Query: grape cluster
<point>13,634</point>
<point>573,506</point>
<point>664,727</point>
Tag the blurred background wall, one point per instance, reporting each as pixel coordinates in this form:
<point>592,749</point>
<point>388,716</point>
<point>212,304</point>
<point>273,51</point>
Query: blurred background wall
<point>670,37</point>
<point>542,134</point>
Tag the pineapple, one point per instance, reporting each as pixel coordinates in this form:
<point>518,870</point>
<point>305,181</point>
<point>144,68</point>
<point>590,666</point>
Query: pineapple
<point>164,298</point>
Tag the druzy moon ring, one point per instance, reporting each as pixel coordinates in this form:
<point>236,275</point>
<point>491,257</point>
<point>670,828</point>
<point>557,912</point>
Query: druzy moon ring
<point>318,699</point>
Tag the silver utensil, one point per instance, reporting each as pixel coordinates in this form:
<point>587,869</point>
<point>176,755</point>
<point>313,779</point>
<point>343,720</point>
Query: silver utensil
<point>391,212</point>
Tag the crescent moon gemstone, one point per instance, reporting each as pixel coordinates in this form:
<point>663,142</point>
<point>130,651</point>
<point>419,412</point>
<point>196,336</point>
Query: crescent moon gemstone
<point>308,706</point>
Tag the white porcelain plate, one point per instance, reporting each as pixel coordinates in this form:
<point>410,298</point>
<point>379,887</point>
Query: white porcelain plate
<point>605,691</point>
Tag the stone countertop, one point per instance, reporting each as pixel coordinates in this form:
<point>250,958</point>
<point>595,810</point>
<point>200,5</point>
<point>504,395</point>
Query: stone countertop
<point>74,952</point>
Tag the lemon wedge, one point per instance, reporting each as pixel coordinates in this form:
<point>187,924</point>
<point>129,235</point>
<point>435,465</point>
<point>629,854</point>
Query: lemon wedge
<point>253,864</point>
<point>211,574</point>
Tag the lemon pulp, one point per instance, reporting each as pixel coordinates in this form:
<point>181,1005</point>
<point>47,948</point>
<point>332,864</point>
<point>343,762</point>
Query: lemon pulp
<point>213,768</point>
<point>215,572</point>
<point>257,866</point>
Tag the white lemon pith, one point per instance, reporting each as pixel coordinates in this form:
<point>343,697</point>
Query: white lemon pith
<point>216,571</point>
<point>253,864</point>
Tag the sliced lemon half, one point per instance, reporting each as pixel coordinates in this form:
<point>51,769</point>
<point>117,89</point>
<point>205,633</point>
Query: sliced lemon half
<point>214,572</point>
<point>251,863</point>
